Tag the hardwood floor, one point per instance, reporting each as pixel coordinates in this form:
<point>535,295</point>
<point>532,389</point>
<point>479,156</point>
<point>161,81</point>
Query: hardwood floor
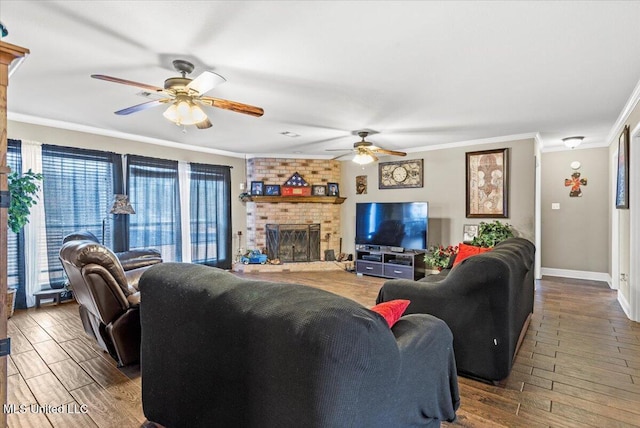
<point>579,364</point>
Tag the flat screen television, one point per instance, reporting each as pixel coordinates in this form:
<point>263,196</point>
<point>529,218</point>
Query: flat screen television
<point>393,224</point>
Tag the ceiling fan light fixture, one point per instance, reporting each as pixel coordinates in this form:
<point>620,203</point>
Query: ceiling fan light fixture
<point>171,113</point>
<point>572,142</point>
<point>184,112</point>
<point>363,158</point>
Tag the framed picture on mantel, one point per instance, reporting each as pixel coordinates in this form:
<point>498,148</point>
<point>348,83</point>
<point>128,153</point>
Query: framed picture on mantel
<point>272,190</point>
<point>487,184</point>
<point>257,188</point>
<point>332,189</point>
<point>319,190</point>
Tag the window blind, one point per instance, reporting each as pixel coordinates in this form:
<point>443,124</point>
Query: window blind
<point>78,187</point>
<point>155,196</point>
<point>15,241</point>
<point>210,202</point>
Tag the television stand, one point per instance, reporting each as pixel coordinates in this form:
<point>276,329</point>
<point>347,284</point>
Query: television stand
<point>390,264</point>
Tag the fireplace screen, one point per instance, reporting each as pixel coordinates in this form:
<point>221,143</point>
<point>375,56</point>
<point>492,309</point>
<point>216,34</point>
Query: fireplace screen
<point>293,242</point>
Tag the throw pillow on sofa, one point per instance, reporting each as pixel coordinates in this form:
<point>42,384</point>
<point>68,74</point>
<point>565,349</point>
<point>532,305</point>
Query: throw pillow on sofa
<point>392,310</point>
<point>465,251</point>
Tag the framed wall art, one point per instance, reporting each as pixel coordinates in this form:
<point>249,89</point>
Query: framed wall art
<point>400,174</point>
<point>622,179</point>
<point>361,185</point>
<point>487,183</point>
<point>332,189</point>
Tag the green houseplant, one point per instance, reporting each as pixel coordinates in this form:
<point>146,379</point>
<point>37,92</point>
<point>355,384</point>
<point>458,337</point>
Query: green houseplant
<point>439,257</point>
<point>23,189</point>
<point>489,234</point>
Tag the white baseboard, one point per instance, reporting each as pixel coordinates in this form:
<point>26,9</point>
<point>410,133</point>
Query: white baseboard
<point>578,274</point>
<point>624,304</point>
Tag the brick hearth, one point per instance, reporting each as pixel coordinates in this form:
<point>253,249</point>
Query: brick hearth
<point>277,171</point>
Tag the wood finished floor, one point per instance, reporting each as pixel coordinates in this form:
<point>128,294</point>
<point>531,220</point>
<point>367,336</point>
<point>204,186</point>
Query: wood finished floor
<point>579,364</point>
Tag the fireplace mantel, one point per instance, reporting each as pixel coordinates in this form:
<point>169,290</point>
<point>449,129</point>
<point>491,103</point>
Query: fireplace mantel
<point>295,199</point>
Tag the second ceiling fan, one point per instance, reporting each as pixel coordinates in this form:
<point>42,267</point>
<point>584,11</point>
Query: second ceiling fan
<point>366,152</point>
<point>185,96</point>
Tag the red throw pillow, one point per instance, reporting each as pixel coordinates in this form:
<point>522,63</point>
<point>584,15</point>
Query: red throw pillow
<point>392,310</point>
<point>465,251</point>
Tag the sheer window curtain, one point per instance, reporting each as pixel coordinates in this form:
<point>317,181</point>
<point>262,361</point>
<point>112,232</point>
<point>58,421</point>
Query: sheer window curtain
<point>35,251</point>
<point>184,172</point>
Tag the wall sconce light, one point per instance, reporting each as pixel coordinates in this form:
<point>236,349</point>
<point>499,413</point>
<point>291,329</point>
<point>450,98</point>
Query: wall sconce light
<point>572,142</point>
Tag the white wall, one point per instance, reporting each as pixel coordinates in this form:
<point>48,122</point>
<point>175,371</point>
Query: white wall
<point>444,189</point>
<point>575,237</point>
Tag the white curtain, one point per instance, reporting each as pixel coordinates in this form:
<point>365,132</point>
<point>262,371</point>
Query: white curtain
<point>184,181</point>
<point>35,251</point>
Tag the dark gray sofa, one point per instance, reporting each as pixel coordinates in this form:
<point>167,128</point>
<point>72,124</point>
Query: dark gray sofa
<point>224,351</point>
<point>486,301</point>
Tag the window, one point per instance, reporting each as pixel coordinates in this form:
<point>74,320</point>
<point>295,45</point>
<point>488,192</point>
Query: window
<point>78,190</point>
<point>154,194</point>
<point>210,221</point>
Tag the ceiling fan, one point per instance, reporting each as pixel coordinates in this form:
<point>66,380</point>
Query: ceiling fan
<point>185,96</point>
<point>365,151</point>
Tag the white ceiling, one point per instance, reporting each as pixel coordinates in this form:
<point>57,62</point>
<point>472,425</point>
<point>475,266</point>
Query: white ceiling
<point>418,73</point>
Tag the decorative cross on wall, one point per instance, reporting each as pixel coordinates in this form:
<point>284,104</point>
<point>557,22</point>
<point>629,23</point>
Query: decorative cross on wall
<point>575,182</point>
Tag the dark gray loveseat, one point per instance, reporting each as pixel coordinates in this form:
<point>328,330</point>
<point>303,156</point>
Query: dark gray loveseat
<point>486,301</point>
<point>223,351</point>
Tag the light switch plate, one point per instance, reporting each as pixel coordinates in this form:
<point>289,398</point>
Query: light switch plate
<point>555,205</point>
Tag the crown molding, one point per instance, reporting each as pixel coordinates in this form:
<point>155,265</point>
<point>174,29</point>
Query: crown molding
<point>564,148</point>
<point>530,135</point>
<point>70,126</point>
<point>288,156</point>
<point>624,115</point>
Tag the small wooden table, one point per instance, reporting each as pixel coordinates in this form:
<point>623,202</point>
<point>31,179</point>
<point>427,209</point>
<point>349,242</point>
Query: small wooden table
<point>54,293</point>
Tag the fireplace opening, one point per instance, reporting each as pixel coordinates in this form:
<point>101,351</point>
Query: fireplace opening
<point>293,242</point>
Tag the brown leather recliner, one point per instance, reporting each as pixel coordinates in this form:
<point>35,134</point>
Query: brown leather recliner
<point>131,259</point>
<point>108,297</point>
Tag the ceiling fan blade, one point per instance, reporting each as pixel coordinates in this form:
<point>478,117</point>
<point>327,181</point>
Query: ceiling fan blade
<point>204,124</point>
<point>206,82</point>
<point>126,82</point>
<point>233,106</point>
<point>155,95</point>
<point>387,152</point>
<point>142,106</point>
<point>340,156</point>
<point>338,150</point>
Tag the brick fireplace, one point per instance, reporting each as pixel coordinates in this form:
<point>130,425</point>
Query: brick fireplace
<point>293,242</point>
<point>277,171</point>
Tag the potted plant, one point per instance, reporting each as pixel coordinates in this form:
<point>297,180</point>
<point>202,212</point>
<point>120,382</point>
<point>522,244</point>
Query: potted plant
<point>440,257</point>
<point>23,189</point>
<point>489,234</point>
